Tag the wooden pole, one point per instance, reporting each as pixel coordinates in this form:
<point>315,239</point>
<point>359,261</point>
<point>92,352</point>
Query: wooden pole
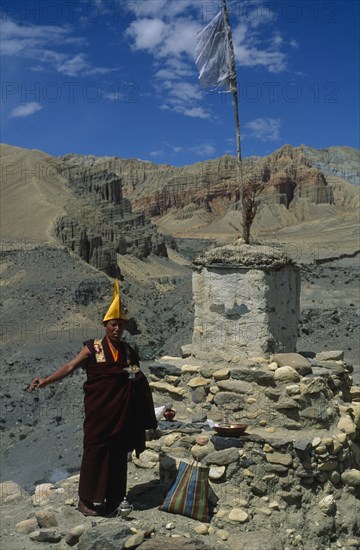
<point>234,89</point>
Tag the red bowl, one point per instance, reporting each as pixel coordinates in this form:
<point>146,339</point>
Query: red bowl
<point>230,430</point>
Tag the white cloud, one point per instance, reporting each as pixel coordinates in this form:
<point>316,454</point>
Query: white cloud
<point>180,94</point>
<point>264,129</point>
<point>165,74</point>
<point>78,64</point>
<point>160,8</point>
<point>178,106</point>
<point>196,112</point>
<point>203,150</point>
<point>274,61</point>
<point>145,8</point>
<point>156,153</point>
<point>164,38</point>
<point>174,148</point>
<point>25,110</point>
<point>171,42</point>
<point>185,91</point>
<point>174,70</point>
<point>252,51</point>
<point>181,38</point>
<point>167,30</point>
<point>43,44</point>
<point>147,34</point>
<point>12,31</point>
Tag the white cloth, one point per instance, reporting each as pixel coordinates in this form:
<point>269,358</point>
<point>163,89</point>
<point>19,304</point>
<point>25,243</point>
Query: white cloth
<point>213,53</point>
<point>159,412</point>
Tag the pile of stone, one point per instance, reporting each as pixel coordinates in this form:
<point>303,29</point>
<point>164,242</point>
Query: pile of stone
<point>301,449</point>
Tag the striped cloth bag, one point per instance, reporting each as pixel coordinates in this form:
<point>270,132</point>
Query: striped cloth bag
<point>189,494</point>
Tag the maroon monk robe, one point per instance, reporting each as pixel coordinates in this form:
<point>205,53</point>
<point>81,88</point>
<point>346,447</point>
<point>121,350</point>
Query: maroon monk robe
<point>118,410</point>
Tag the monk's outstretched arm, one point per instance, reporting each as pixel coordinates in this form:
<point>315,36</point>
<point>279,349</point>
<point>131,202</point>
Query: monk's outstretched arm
<point>61,372</point>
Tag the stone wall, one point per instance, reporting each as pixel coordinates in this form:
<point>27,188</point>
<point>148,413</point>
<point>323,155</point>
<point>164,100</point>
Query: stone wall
<point>300,454</point>
<point>279,486</point>
<point>246,303</point>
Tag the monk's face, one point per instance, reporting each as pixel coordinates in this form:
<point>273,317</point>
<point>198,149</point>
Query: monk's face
<point>114,329</point>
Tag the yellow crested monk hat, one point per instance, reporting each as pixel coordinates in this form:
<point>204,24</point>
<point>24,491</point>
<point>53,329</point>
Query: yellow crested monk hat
<point>115,310</point>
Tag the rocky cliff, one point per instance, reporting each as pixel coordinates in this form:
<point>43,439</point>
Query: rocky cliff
<point>292,175</point>
<point>102,223</point>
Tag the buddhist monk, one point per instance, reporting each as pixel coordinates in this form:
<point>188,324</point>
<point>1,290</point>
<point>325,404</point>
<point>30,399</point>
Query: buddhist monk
<point>118,409</point>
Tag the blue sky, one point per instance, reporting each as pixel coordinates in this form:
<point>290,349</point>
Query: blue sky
<point>118,77</point>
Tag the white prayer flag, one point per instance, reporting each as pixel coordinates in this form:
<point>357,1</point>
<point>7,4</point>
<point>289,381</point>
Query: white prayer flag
<point>213,53</point>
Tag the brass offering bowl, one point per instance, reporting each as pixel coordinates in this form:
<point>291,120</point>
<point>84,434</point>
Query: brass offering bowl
<point>230,430</point>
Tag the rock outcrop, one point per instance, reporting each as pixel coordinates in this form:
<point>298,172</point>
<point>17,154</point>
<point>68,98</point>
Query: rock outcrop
<point>289,176</point>
<point>101,224</point>
<point>292,175</point>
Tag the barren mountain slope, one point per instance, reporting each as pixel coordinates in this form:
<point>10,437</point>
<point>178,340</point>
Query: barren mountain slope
<point>33,195</point>
<point>303,185</point>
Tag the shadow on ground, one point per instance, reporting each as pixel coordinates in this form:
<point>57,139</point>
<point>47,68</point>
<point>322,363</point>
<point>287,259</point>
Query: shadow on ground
<point>147,495</point>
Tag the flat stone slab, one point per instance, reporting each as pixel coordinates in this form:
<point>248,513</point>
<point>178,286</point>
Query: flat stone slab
<point>236,386</point>
<point>190,369</point>
<point>220,442</point>
<point>331,355</point>
<point>222,458</point>
<point>198,381</point>
<point>46,535</point>
<point>332,368</point>
<point>165,369</point>
<point>167,388</point>
<point>187,427</point>
<point>245,255</point>
<point>221,374</point>
<point>279,458</point>
<point>255,375</point>
<point>294,360</point>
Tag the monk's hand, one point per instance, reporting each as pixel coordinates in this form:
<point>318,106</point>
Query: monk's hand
<point>37,383</point>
